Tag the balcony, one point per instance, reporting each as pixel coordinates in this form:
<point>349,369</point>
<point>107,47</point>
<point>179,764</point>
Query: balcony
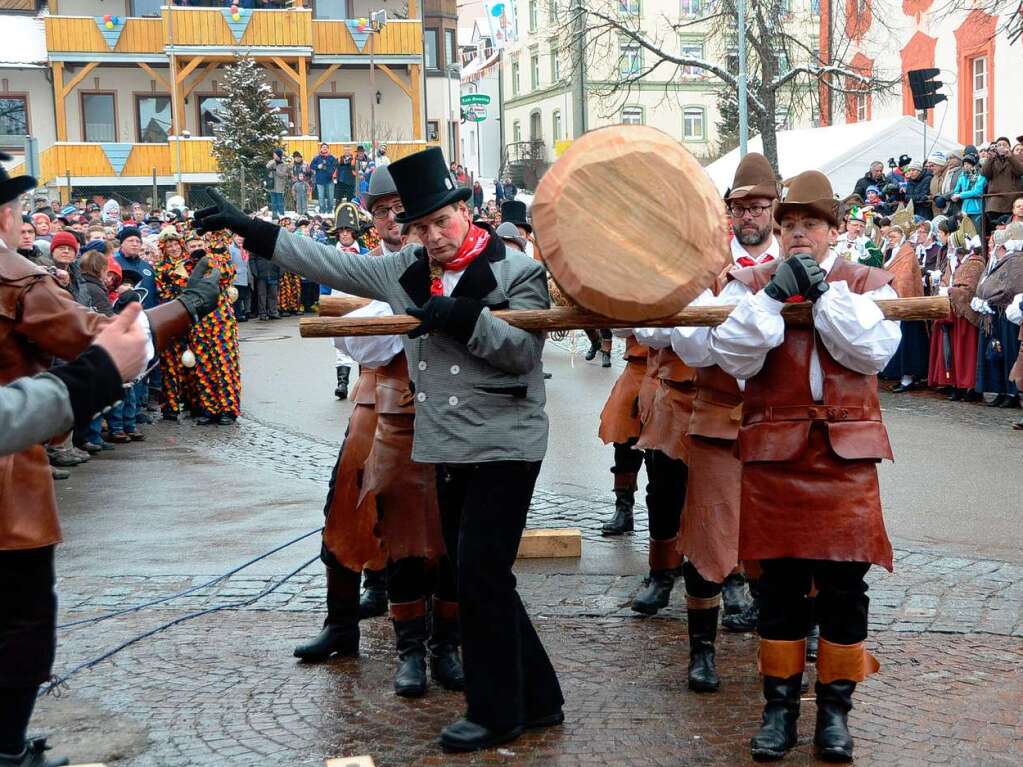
<point>81,35</point>
<point>213,27</point>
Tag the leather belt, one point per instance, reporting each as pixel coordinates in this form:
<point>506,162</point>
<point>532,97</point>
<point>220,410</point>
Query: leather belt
<point>812,413</point>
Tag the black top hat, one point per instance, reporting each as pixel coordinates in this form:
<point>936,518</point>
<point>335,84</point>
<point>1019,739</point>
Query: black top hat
<point>425,184</point>
<point>10,188</point>
<point>514,211</point>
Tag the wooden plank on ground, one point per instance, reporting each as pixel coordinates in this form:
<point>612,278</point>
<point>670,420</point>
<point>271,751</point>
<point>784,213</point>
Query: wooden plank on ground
<point>550,543</point>
<point>351,761</point>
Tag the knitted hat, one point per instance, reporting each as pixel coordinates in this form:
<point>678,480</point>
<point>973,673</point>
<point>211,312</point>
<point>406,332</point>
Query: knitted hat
<point>915,165</point>
<point>128,231</point>
<point>64,238</point>
<point>937,157</point>
<point>99,245</point>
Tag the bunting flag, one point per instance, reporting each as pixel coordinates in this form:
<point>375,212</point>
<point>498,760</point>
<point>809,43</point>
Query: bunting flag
<point>110,27</point>
<point>237,27</point>
<point>117,155</point>
<point>360,30</point>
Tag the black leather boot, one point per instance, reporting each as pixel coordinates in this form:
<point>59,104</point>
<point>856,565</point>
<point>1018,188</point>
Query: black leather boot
<point>33,756</point>
<point>777,732</point>
<point>734,598</point>
<point>410,678</point>
<point>656,591</point>
<point>831,739</point>
<point>594,348</point>
<point>445,637</point>
<point>341,391</point>
<point>703,631</point>
<point>622,522</point>
<point>373,602</point>
<point>605,359</point>
<point>340,632</point>
<point>745,621</point>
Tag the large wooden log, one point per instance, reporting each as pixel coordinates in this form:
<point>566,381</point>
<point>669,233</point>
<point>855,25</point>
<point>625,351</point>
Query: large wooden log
<point>573,318</point>
<point>631,226</point>
<point>339,306</point>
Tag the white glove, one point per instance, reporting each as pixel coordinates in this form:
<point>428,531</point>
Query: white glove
<point>1014,312</point>
<point>981,306</point>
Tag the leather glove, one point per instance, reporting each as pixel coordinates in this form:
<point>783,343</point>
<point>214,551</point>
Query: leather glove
<point>221,215</point>
<point>798,275</point>
<point>202,294</point>
<point>127,297</point>
<point>454,316</point>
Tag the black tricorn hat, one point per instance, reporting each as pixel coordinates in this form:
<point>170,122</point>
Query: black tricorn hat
<point>425,184</point>
<point>10,188</point>
<point>514,211</point>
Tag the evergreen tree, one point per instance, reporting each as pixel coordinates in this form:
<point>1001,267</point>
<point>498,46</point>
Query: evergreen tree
<point>728,119</point>
<point>247,130</point>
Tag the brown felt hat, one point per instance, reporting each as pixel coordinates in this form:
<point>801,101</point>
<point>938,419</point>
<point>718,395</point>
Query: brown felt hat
<point>810,191</point>
<point>754,178</point>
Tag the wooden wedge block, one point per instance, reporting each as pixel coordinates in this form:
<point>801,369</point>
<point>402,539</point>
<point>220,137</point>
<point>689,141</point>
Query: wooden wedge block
<point>551,542</point>
<point>351,761</point>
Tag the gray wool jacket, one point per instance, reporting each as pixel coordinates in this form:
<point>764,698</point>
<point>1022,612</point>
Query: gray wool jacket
<point>477,402</point>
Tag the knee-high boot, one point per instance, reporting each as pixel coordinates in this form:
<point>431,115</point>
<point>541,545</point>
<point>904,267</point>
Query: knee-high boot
<point>410,631</point>
<point>839,668</point>
<point>625,502</point>
<point>373,601</point>
<point>703,630</point>
<point>781,663</point>
<point>445,638</point>
<point>340,632</point>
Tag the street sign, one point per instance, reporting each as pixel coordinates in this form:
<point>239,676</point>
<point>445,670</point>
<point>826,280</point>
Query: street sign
<point>476,113</point>
<point>470,99</point>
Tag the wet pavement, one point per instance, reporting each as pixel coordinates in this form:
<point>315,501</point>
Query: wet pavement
<point>157,518</point>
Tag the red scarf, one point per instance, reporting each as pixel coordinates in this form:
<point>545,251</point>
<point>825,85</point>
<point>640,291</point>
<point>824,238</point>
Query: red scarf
<point>475,242</point>
<point>747,261</point>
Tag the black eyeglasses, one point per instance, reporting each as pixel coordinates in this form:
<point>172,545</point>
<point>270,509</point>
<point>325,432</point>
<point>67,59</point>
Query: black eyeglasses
<point>755,211</point>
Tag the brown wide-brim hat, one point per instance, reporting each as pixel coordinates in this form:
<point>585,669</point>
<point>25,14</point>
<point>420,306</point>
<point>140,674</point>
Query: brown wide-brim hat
<point>809,191</point>
<point>754,177</point>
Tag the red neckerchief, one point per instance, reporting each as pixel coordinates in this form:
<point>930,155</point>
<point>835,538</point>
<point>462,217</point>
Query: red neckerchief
<point>748,261</point>
<point>475,242</point>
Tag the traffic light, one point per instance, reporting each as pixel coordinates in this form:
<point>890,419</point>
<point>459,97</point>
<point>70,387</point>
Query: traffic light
<point>925,88</point>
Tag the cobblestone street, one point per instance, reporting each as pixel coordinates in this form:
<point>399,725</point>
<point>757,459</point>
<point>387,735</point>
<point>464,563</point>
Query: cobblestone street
<point>223,688</point>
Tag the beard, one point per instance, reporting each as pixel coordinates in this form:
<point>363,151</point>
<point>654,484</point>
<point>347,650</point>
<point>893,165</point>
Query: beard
<point>751,236</point>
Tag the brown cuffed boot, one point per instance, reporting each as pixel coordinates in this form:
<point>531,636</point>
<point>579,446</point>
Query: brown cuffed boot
<point>445,637</point>
<point>665,568</point>
<point>703,631</point>
<point>781,663</point>
<point>625,501</point>
<point>839,668</point>
<point>410,631</point>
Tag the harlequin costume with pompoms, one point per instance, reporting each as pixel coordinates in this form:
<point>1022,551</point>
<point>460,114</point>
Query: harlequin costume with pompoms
<point>214,341</point>
<point>172,274</point>
<point>289,296</point>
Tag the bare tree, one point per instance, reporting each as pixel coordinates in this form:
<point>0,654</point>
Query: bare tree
<point>787,73</point>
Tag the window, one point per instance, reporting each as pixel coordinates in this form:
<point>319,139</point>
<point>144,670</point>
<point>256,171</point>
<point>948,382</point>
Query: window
<point>979,76</point>
<point>332,9</point>
<point>99,117</point>
<point>153,118</point>
<point>13,120</point>
<point>628,7</point>
<point>535,127</point>
<point>783,62</point>
<point>632,115</point>
<point>534,68</point>
<point>556,125</point>
<point>692,7</point>
<point>555,65</point>
<point>432,130</point>
<point>449,46</point>
<point>515,78</point>
<point>534,15</point>
<point>815,8</point>
<point>286,111</point>
<point>732,60</point>
<point>693,124</point>
<point>630,59</point>
<point>692,49</point>
<point>516,131</point>
<point>149,8</point>
<point>552,12</point>
<point>336,119</point>
<point>430,51</point>
<point>210,108</point>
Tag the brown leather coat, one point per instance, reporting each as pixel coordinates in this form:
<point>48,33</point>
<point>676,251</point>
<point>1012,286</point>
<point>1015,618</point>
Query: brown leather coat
<point>619,420</point>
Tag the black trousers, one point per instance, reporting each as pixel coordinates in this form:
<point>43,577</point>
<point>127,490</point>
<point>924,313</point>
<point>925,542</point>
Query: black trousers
<point>508,677</point>
<point>243,306</point>
<point>667,480</point>
<point>310,295</point>
<point>627,459</point>
<point>841,603</point>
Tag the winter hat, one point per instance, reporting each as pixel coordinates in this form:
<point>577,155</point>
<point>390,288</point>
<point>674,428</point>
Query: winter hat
<point>64,238</point>
<point>938,158</point>
<point>128,231</point>
<point>969,157</point>
<point>915,165</point>
<point>99,245</point>
<point>873,189</point>
<point>904,160</point>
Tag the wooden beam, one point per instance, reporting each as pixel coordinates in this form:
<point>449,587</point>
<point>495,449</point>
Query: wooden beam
<point>412,9</point>
<point>286,69</point>
<point>417,94</point>
<point>58,99</point>
<point>79,77</point>
<point>187,89</point>
<point>323,78</point>
<point>188,69</point>
<point>395,79</point>
<point>155,75</point>
<point>549,543</point>
<point>303,96</point>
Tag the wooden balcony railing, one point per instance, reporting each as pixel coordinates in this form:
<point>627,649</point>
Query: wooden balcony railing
<point>209,26</point>
<point>80,34</point>
<point>397,38</point>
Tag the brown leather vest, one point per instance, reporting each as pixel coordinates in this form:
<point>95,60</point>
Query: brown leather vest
<point>668,367</point>
<point>717,406</point>
<point>635,351</point>
<point>778,408</point>
<point>393,388</point>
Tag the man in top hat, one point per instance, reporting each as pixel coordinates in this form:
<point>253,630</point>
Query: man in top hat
<point>480,418</point>
<point>42,322</point>
<point>810,440</point>
<point>514,212</point>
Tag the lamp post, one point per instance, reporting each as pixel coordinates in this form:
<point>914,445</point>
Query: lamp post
<point>452,70</point>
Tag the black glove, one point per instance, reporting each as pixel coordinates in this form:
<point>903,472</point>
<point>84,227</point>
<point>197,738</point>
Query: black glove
<point>130,296</point>
<point>260,236</point>
<point>202,294</point>
<point>455,316</point>
<point>798,275</point>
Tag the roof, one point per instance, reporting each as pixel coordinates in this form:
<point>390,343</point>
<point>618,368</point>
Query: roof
<point>843,153</point>
<point>24,42</point>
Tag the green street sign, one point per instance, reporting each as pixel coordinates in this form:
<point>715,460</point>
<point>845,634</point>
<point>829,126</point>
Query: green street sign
<point>470,99</point>
<point>476,113</point>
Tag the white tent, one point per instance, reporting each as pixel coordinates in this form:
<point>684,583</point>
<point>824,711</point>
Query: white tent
<point>841,152</point>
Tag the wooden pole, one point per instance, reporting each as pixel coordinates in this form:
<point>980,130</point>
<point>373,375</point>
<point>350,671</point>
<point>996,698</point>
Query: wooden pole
<point>573,318</point>
<point>339,306</point>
